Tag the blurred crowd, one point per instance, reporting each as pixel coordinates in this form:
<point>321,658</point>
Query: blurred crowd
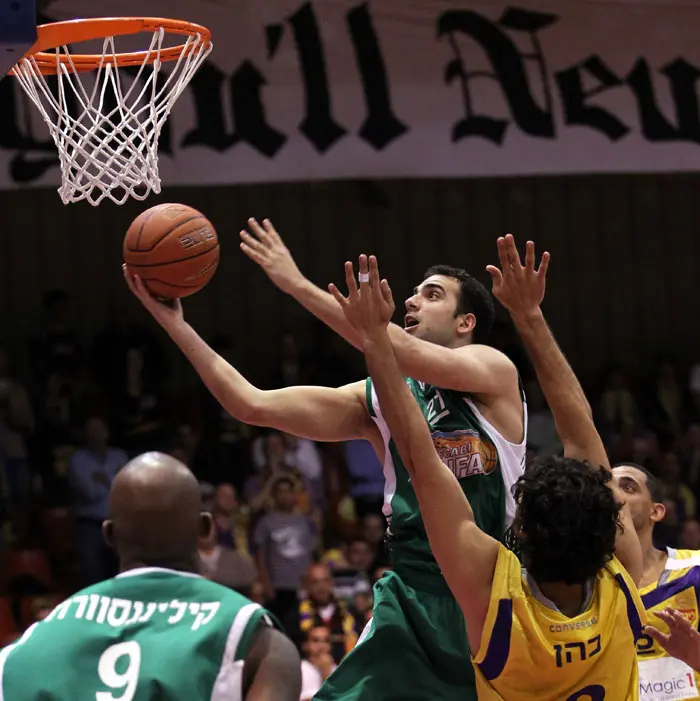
<point>299,526</point>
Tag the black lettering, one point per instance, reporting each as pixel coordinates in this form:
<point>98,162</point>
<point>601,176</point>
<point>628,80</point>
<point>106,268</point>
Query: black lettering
<point>249,117</point>
<point>381,126</point>
<point>509,70</point>
<point>577,111</point>
<point>683,78</point>
<point>318,125</point>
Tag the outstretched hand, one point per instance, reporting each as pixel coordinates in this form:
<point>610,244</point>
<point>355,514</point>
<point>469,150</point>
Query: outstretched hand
<point>165,313</point>
<point>520,289</point>
<point>265,247</point>
<point>369,307</point>
<point>682,640</point>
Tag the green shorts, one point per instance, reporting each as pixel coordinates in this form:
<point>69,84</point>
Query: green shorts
<point>415,648</point>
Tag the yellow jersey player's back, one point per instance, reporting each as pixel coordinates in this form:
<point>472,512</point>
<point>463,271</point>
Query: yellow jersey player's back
<point>588,657</point>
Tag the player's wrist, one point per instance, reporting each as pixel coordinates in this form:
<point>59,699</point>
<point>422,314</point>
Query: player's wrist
<point>527,318</point>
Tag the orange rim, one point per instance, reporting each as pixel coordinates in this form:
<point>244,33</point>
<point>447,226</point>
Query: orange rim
<point>49,36</point>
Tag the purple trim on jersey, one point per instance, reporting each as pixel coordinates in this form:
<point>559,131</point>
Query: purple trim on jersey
<point>499,644</point>
<point>669,589</point>
<point>632,613</point>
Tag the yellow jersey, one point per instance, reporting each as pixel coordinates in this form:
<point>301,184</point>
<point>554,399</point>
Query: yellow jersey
<point>661,677</point>
<point>531,652</point>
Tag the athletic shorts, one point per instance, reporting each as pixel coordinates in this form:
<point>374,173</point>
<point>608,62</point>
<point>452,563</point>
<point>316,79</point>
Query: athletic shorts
<point>415,648</point>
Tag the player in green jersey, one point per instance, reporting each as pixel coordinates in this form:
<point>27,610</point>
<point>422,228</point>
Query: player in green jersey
<point>157,630</point>
<point>415,646</point>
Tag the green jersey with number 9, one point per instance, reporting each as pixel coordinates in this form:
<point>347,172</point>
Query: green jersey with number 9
<point>148,633</point>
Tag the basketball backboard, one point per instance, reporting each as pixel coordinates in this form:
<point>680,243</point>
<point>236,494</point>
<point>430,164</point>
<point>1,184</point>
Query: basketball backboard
<point>17,31</point>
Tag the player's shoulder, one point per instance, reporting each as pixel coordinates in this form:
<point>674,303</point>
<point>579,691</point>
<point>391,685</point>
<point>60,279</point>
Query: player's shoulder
<point>679,559</point>
<point>486,354</point>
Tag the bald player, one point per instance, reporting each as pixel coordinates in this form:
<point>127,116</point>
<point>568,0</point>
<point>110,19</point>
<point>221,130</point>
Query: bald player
<point>157,630</point>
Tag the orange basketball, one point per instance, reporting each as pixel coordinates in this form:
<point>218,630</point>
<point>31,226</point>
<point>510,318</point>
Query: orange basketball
<point>173,248</point>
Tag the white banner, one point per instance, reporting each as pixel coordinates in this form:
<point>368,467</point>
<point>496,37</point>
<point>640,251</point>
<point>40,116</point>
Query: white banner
<point>410,88</point>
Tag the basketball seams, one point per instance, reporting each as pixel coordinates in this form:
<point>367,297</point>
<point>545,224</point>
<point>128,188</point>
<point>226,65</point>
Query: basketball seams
<point>172,262</point>
<point>175,252</point>
<point>163,235</point>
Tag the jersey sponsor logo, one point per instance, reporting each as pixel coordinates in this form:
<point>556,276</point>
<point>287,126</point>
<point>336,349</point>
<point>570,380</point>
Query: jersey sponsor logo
<point>465,452</point>
<point>689,614</point>
<point>117,613</point>
<point>578,625</point>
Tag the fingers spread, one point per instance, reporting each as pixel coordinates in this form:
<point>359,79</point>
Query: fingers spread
<point>337,294</point>
<point>350,279</point>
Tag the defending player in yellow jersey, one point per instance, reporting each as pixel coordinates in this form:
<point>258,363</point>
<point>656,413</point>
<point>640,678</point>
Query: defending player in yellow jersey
<point>565,629</point>
<point>670,579</point>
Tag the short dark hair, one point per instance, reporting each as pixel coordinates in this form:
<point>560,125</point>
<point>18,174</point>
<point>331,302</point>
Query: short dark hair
<point>474,299</point>
<point>568,518</point>
<point>656,489</point>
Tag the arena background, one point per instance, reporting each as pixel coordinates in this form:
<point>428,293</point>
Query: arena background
<point>625,255</point>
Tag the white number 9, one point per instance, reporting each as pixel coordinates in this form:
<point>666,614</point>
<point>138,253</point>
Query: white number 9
<point>128,679</point>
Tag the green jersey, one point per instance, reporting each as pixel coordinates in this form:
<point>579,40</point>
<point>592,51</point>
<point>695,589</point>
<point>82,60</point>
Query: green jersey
<point>486,465</point>
<point>147,634</point>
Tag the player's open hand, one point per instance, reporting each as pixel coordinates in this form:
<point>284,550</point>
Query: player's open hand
<point>682,640</point>
<point>166,312</point>
<point>265,247</point>
<point>369,306</point>
<point>520,289</point>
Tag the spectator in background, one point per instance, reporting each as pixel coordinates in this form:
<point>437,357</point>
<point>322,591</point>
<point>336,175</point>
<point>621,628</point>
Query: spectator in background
<point>322,608</point>
<point>366,477</point>
<point>351,576</point>
<point>373,530</point>
<point>299,453</point>
<point>228,438</point>
<point>694,391</point>
<point>692,455</point>
<point>16,426</point>
<point>291,368</point>
<point>617,410</point>
<point>666,400</point>
<point>258,488</point>
<point>91,472</point>
<point>54,349</point>
<point>542,436</point>
<point>284,542</point>
<point>225,566</point>
<point>230,519</point>
<point>676,490</point>
<point>140,409</point>
<point>317,663</point>
<point>690,535</point>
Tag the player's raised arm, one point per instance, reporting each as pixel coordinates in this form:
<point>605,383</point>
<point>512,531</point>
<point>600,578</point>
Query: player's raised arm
<point>520,289</point>
<point>318,413</point>
<point>474,368</point>
<point>447,515</point>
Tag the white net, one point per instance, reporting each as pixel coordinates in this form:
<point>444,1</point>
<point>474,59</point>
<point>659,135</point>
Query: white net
<point>106,123</point>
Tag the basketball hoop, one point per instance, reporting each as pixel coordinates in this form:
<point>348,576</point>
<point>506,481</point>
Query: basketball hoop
<point>107,133</point>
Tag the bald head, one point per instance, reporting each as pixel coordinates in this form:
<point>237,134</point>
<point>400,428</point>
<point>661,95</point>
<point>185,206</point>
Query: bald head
<point>155,513</point>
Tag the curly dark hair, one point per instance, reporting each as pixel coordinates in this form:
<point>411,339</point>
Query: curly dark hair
<point>568,519</point>
<point>474,299</point>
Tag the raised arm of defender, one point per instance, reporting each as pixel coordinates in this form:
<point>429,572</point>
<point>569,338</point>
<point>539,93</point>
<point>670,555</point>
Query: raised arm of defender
<point>478,369</point>
<point>448,517</point>
<point>520,289</point>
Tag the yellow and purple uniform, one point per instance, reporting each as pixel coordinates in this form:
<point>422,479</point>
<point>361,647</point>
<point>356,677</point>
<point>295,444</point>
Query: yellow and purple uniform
<point>661,677</point>
<point>530,651</point>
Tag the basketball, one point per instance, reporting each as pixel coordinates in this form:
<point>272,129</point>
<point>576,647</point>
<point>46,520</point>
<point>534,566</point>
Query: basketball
<point>173,248</point>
